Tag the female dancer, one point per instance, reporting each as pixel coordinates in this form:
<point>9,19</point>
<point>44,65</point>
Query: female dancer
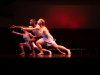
<point>26,36</point>
<point>47,38</point>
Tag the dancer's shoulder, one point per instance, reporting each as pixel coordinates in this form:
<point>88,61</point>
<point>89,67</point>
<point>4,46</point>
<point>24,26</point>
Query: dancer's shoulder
<point>37,26</point>
<point>45,28</point>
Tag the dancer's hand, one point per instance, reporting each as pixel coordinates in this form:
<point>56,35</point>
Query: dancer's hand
<point>13,31</point>
<point>22,28</point>
<point>13,26</point>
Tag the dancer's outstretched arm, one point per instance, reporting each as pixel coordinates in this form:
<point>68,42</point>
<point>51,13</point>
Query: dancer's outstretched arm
<point>37,28</point>
<point>17,33</point>
<point>13,26</point>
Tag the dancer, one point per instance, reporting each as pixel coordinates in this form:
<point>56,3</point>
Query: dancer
<point>26,36</point>
<point>47,38</point>
<point>36,32</point>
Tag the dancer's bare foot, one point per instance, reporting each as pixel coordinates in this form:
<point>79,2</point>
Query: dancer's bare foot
<point>32,54</point>
<point>63,53</point>
<point>22,54</point>
<point>69,55</point>
<point>41,53</point>
<point>50,53</point>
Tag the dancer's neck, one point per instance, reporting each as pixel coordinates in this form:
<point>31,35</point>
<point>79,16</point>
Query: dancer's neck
<point>41,26</point>
<point>34,25</point>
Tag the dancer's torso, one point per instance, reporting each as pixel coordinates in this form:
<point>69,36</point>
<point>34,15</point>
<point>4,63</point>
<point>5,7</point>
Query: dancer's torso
<point>26,37</point>
<point>45,36</point>
<point>36,32</point>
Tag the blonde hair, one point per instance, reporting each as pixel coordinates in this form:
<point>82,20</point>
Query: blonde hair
<point>43,21</point>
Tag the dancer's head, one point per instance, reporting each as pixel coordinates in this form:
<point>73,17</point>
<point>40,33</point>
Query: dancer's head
<point>32,22</point>
<point>41,22</point>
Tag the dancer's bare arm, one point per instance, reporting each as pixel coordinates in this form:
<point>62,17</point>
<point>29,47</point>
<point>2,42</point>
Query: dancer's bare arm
<point>37,28</point>
<point>17,33</point>
<point>13,26</point>
<point>31,35</point>
<point>46,31</point>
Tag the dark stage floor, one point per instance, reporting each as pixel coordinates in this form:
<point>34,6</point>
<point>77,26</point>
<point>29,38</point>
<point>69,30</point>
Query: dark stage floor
<point>50,60</point>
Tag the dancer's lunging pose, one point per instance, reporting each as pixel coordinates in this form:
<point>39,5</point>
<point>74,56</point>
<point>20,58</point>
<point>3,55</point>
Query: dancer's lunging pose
<point>36,32</point>
<point>47,38</point>
<point>26,36</point>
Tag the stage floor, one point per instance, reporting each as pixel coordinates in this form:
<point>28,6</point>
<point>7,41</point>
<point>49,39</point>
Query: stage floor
<point>50,56</point>
<point>50,60</point>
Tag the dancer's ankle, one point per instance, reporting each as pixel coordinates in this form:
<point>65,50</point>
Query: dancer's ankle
<point>23,52</point>
<point>41,51</point>
<point>50,52</point>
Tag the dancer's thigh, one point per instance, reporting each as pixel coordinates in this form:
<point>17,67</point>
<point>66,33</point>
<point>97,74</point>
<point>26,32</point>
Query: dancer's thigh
<point>40,41</point>
<point>33,40</point>
<point>24,44</point>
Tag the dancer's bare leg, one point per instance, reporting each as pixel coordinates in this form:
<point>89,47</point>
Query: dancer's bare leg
<point>31,44</point>
<point>39,43</point>
<point>44,50</point>
<point>21,46</point>
<point>56,47</point>
<point>63,48</point>
<point>47,51</point>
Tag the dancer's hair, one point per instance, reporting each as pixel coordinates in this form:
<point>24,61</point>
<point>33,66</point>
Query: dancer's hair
<point>43,21</point>
<point>33,20</point>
